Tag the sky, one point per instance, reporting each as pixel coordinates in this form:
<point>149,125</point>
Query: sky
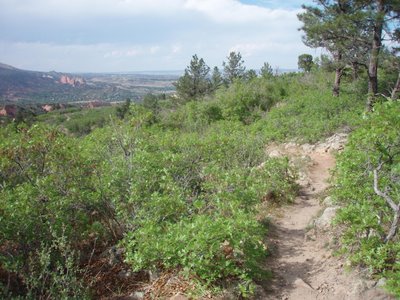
<point>147,35</point>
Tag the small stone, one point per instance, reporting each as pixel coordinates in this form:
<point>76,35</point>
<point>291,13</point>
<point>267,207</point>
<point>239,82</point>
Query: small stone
<point>275,153</point>
<point>137,296</point>
<point>381,282</point>
<point>124,274</point>
<point>326,218</point>
<point>153,275</point>
<point>328,201</point>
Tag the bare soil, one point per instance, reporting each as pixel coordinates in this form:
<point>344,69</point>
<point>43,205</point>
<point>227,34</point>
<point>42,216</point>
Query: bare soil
<point>301,258</point>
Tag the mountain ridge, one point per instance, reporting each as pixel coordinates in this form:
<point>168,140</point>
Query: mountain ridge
<point>17,85</point>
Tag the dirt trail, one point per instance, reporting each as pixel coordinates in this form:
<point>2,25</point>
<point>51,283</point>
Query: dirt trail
<point>301,262</point>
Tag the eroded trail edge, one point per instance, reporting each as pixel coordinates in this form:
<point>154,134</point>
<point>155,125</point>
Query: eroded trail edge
<point>300,240</point>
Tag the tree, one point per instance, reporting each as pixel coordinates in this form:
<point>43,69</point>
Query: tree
<point>216,79</point>
<point>195,82</point>
<point>250,74</point>
<point>353,31</point>
<point>305,62</point>
<point>151,102</point>
<point>384,14</point>
<point>331,25</point>
<point>234,68</point>
<point>123,109</point>
<point>266,71</point>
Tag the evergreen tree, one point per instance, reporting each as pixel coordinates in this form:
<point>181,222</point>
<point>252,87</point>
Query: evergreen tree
<point>305,62</point>
<point>195,82</point>
<point>331,25</point>
<point>122,110</point>
<point>353,31</point>
<point>216,79</point>
<point>250,74</point>
<point>266,71</point>
<point>233,68</point>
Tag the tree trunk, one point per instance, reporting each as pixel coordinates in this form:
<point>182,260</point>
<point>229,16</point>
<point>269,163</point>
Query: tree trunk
<point>355,69</point>
<point>336,85</point>
<point>374,54</point>
<point>338,73</point>
<point>396,88</point>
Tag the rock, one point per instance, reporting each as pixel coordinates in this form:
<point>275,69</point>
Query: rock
<point>326,218</point>
<point>153,275</point>
<point>308,148</point>
<point>290,145</point>
<point>137,296</point>
<point>275,153</point>
<point>381,282</point>
<point>335,142</point>
<point>328,201</point>
<point>124,274</point>
<point>179,296</point>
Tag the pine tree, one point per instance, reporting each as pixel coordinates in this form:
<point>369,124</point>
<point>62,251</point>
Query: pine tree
<point>234,68</point>
<point>195,82</point>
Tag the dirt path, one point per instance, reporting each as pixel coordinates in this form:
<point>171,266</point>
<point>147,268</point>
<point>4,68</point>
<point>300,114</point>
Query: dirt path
<point>301,261</point>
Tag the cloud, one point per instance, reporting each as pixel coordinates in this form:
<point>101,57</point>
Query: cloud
<point>176,49</point>
<point>127,35</point>
<point>236,12</point>
<point>89,8</point>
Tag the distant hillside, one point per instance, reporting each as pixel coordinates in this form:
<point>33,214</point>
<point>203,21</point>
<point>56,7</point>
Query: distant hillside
<point>48,87</point>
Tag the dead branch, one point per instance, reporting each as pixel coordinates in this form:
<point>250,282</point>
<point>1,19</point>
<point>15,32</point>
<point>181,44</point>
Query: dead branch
<point>395,207</point>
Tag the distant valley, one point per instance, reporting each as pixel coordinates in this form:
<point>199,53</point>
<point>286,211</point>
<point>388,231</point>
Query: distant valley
<point>32,87</point>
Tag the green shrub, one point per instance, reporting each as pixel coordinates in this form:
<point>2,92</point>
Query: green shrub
<point>248,101</point>
<point>46,193</point>
<point>311,116</point>
<point>365,215</point>
<point>53,272</point>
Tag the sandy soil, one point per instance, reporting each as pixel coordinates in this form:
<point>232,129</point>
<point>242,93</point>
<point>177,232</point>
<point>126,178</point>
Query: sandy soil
<point>301,260</point>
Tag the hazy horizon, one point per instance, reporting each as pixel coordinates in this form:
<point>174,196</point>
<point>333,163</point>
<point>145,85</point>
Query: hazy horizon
<point>116,36</point>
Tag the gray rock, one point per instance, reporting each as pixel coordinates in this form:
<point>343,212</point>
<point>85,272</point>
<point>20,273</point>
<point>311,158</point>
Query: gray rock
<point>275,153</point>
<point>325,220</point>
<point>153,275</point>
<point>381,282</point>
<point>137,295</point>
<point>328,201</point>
<point>124,274</point>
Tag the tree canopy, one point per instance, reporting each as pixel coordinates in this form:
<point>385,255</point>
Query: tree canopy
<point>195,82</point>
<point>234,67</point>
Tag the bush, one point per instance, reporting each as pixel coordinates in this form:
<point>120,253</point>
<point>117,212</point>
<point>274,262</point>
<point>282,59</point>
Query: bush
<point>310,117</point>
<point>365,215</point>
<point>46,193</point>
<point>184,196</point>
<point>248,101</point>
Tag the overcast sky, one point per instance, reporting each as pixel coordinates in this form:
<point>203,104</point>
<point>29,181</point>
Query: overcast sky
<point>147,35</point>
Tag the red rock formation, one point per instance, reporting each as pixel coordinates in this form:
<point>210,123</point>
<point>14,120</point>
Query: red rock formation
<point>47,107</point>
<point>3,112</point>
<point>8,110</point>
<point>74,81</point>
